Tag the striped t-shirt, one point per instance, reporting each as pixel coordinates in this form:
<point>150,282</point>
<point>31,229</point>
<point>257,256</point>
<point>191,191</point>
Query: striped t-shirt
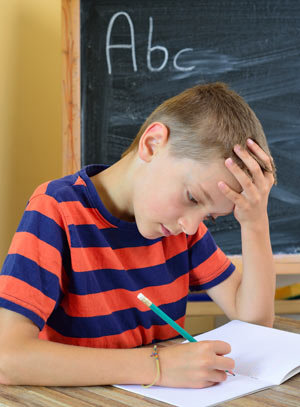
<point>75,270</point>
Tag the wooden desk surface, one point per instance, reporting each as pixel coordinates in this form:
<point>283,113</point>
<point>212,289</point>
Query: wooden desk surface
<point>287,394</point>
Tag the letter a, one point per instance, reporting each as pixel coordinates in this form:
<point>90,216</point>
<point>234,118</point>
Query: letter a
<point>131,45</point>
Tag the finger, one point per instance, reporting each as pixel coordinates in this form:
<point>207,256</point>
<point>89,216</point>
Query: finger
<point>244,180</point>
<point>217,376</point>
<point>221,347</point>
<point>208,384</point>
<point>264,160</point>
<point>251,163</point>
<point>224,363</point>
<point>260,166</point>
<point>232,195</point>
<point>261,155</point>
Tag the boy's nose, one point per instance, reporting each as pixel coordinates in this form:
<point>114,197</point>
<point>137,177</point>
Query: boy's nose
<point>189,225</point>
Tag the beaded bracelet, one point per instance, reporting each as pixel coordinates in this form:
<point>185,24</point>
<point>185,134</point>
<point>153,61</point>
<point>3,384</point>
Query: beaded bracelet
<point>155,355</point>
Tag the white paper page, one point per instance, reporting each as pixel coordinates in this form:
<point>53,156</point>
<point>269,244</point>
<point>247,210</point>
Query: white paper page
<point>263,357</point>
<point>265,353</point>
<point>233,387</point>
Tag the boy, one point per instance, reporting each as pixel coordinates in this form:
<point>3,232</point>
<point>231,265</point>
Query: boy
<point>90,242</point>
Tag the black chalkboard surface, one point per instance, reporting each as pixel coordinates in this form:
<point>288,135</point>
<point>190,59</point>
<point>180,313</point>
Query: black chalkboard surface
<point>135,54</point>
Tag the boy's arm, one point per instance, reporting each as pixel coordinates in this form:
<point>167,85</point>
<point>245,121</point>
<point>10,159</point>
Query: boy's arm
<point>250,296</point>
<point>27,360</point>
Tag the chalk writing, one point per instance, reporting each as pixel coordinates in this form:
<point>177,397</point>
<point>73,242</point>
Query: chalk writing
<point>150,48</point>
<point>131,45</point>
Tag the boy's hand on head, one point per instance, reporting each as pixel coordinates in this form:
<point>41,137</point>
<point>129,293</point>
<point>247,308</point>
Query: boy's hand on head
<point>250,204</point>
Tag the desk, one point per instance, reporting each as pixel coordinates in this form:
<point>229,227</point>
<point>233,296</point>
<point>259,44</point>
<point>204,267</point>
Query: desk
<point>287,394</point>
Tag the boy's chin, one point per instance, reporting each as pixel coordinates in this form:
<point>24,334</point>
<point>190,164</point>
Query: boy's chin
<point>149,234</point>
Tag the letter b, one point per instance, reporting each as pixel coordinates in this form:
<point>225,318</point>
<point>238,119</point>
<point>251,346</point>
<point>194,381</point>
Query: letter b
<point>151,49</point>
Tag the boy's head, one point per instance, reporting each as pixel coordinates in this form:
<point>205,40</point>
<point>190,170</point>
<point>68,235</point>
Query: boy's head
<point>205,122</point>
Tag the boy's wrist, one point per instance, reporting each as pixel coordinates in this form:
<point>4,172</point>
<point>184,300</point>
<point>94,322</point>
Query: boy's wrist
<point>259,225</point>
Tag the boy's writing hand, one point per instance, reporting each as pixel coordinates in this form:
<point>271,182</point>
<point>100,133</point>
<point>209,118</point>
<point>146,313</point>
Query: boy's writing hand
<point>251,203</point>
<point>194,365</point>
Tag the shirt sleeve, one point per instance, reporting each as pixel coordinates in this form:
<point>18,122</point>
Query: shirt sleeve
<point>209,265</point>
<point>33,276</point>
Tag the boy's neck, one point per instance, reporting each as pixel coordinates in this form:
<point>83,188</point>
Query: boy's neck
<point>114,186</point>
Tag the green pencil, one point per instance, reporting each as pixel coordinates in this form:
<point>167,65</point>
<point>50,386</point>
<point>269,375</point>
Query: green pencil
<point>166,318</point>
<point>170,321</point>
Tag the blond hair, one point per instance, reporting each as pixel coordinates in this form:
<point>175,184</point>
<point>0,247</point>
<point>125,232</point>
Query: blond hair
<point>206,122</point>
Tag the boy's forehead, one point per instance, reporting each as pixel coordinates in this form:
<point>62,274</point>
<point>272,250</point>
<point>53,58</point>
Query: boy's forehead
<point>216,171</point>
<point>205,179</point>
<point>205,175</point>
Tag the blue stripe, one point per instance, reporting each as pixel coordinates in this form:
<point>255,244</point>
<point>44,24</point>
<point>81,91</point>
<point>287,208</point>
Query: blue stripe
<point>113,324</point>
<point>36,319</point>
<point>64,190</point>
<point>31,273</point>
<point>77,193</point>
<point>48,231</point>
<point>116,238</point>
<point>58,185</point>
<point>230,269</point>
<point>202,250</point>
<point>91,282</point>
<point>44,228</point>
<point>195,297</point>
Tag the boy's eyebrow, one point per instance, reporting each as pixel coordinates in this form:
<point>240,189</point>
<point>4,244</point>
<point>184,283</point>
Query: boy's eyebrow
<point>206,194</point>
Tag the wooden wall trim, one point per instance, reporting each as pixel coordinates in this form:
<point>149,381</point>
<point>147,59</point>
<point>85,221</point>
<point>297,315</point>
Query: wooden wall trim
<point>196,308</point>
<point>284,264</point>
<point>71,85</point>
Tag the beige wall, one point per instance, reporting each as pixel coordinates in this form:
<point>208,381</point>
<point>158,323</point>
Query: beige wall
<point>30,105</point>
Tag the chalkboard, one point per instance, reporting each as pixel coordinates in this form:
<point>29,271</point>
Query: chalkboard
<point>136,54</point>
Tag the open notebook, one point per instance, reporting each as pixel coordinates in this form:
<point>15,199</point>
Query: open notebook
<point>264,357</point>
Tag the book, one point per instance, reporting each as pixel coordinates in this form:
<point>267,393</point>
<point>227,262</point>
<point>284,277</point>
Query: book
<point>288,292</point>
<point>264,357</point>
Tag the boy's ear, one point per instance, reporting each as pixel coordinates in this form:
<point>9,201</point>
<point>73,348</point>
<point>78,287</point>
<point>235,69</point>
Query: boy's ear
<point>154,137</point>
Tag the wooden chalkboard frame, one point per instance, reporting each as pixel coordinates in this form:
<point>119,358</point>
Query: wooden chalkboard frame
<point>285,264</point>
<point>71,85</point>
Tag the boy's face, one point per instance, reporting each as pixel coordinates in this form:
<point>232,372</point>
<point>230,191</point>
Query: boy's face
<point>173,195</point>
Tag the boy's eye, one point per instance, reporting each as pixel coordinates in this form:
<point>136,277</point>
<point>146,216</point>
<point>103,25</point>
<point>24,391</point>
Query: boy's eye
<point>191,198</point>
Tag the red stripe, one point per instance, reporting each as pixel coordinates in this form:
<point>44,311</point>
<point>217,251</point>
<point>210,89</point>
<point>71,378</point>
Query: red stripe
<point>80,181</point>
<point>32,298</point>
<point>93,258</point>
<point>192,239</point>
<point>173,245</point>
<point>80,215</point>
<point>48,206</point>
<point>45,255</point>
<point>41,189</point>
<point>128,339</point>
<point>210,269</point>
<point>105,303</point>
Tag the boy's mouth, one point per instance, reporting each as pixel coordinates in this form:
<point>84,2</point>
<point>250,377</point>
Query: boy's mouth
<point>165,231</point>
